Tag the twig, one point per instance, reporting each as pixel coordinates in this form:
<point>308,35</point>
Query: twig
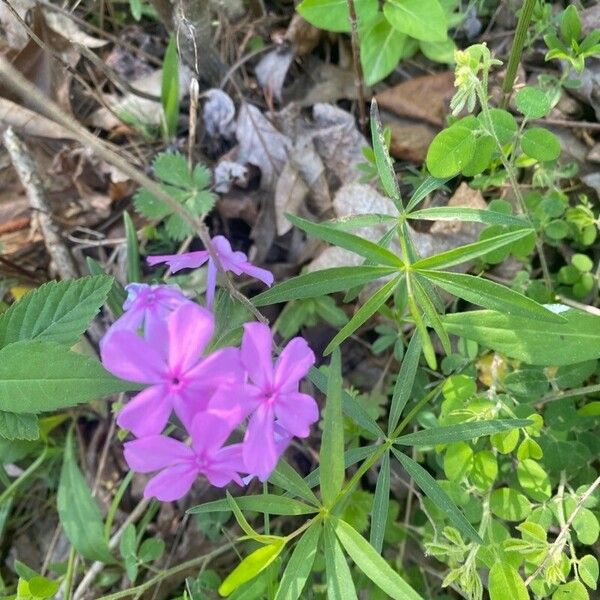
<point>582,391</point>
<point>358,74</point>
<point>193,119</point>
<point>27,172</point>
<point>13,79</point>
<point>560,540</point>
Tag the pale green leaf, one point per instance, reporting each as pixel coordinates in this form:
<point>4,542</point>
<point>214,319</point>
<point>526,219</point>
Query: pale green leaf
<point>505,583</point>
<point>462,213</point>
<point>421,19</point>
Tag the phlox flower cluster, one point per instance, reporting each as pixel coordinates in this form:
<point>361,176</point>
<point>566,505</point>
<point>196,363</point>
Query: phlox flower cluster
<point>161,342</point>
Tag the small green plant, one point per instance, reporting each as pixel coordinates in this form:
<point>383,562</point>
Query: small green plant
<point>169,91</point>
<point>188,187</point>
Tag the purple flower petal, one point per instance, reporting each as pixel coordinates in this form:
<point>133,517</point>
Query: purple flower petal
<point>234,403</point>
<point>293,364</point>
<point>155,452</point>
<point>257,344</point>
<point>209,432</point>
<point>226,466</point>
<point>261,274</point>
<point>147,413</point>
<point>211,283</point>
<point>260,451</point>
<point>296,412</point>
<point>176,262</point>
<point>130,357</point>
<point>190,329</point>
<point>172,483</point>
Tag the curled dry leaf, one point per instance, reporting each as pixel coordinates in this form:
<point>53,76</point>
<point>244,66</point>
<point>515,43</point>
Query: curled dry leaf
<point>219,114</point>
<point>272,69</point>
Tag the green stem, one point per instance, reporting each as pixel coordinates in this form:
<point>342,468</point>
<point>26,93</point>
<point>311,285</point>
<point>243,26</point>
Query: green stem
<point>12,488</point>
<point>517,50</point>
<point>70,574</point>
<point>112,511</point>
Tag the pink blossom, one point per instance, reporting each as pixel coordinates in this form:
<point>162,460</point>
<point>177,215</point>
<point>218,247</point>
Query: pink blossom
<point>271,397</point>
<point>234,261</point>
<point>180,465</point>
<point>169,361</point>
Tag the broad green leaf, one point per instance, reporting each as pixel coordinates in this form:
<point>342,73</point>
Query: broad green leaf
<point>286,477</point>
<point>372,564</point>
<point>378,254</point>
<point>459,432</point>
<point>381,503</point>
<point>450,151</point>
<point>574,590</point>
<point>331,457</point>
<point>350,405</point>
<point>340,585</point>
<point>570,25</point>
<point>490,294</point>
<point>485,470</point>
<point>532,102</point>
<point>429,185</point>
<point>251,566</point>
<point>589,571</point>
<point>383,160</point>
<point>23,426</point>
<point>485,147</point>
<point>319,283</point>
<point>468,252</point>
<point>116,295</point>
<point>530,340</point>
<point>78,512</point>
<point>505,583</point>
<point>404,381</point>
<point>541,144</point>
<point>458,461</point>
<point>534,480</point>
<point>40,376</point>
<point>381,48</point>
<point>271,503</point>
<point>55,312</point>
<point>421,19</point>
<point>505,125</point>
<point>332,15</point>
<point>430,312</point>
<point>134,272</point>
<point>432,489</point>
<point>510,505</point>
<point>364,313</point>
<point>473,215</point>
<point>151,550</point>
<point>299,566</point>
<point>586,526</point>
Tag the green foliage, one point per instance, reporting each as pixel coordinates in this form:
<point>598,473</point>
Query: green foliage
<point>187,187</point>
<point>169,91</point>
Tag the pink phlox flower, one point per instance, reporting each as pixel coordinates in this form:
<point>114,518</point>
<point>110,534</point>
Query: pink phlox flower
<point>234,261</point>
<point>277,409</point>
<point>148,302</point>
<point>180,465</point>
<point>168,359</point>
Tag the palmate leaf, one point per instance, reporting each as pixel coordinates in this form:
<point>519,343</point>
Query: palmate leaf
<point>56,311</point>
<point>381,503</point>
<point>489,294</point>
<point>275,505</point>
<point>378,254</point>
<point>468,252</point>
<point>383,160</point>
<point>319,283</point>
<point>438,496</point>
<point>474,215</point>
<point>364,313</point>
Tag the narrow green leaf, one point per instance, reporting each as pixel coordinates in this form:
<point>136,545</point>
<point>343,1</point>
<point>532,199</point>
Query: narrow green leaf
<point>439,497</point>
<point>359,221</point>
<point>364,313</point>
<point>331,457</point>
<point>404,381</point>
<point>319,283</point>
<point>383,160</point>
<point>134,272</point>
<point>116,295</point>
<point>169,92</point>
<point>56,311</point>
<point>461,213</point>
<point>300,564</point>
<point>251,566</point>
<point>429,185</point>
<point>378,254</point>
<point>340,585</point>
<point>22,426</point>
<point>284,476</point>
<point>468,252</point>
<point>350,405</point>
<point>78,512</point>
<point>381,503</point>
<point>40,376</point>
<point>459,432</point>
<point>428,350</point>
<point>490,295</point>
<point>431,314</point>
<point>275,505</point>
<point>372,564</point>
<point>240,518</point>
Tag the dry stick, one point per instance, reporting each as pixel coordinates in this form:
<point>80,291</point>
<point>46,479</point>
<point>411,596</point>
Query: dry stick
<point>560,540</point>
<point>358,74</point>
<point>193,119</point>
<point>11,77</point>
<point>27,172</point>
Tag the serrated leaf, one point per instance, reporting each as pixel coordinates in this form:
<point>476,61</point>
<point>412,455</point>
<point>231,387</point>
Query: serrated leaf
<point>22,426</point>
<point>372,564</point>
<point>383,160</point>
<point>172,168</point>
<point>439,497</point>
<point>381,503</point>
<point>116,295</point>
<point>38,376</point>
<point>271,503</point>
<point>56,312</point>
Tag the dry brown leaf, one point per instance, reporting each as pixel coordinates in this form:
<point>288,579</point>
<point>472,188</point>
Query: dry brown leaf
<point>27,122</point>
<point>303,36</point>
<point>410,140</point>
<point>423,97</point>
<point>272,69</point>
